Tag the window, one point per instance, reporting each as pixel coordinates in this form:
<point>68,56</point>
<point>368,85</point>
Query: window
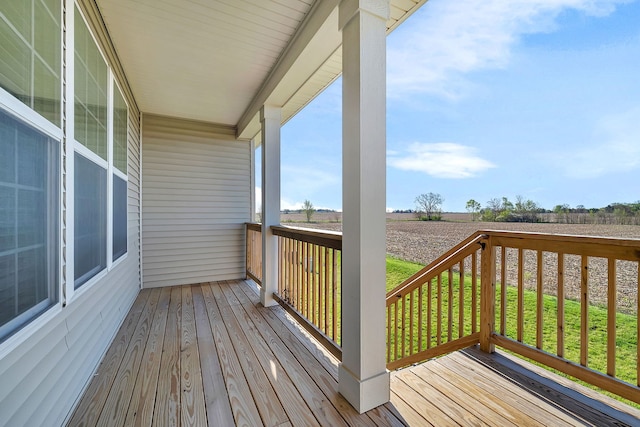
<point>29,207</point>
<point>30,54</point>
<point>90,164</point>
<point>120,121</point>
<point>100,160</point>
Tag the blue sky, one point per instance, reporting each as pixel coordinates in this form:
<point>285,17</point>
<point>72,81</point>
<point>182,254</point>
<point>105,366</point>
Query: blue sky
<point>493,98</point>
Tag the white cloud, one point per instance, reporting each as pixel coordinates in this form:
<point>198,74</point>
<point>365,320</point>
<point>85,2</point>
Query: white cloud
<point>441,160</point>
<point>284,203</point>
<point>450,38</point>
<point>617,149</point>
<point>287,204</point>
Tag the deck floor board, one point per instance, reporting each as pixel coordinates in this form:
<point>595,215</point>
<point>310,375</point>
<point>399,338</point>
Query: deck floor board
<point>210,354</point>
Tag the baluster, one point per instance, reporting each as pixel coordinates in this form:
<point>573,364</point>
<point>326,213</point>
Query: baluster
<point>520,316</point>
<point>611,318</point>
<point>539,301</point>
<point>461,299</point>
<point>474,292</point>
<point>584,311</point>
<point>560,314</point>
<point>450,304</point>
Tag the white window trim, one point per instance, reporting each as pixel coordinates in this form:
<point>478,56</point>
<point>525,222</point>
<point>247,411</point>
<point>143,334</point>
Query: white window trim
<point>109,168</point>
<point>69,58</point>
<point>24,113</point>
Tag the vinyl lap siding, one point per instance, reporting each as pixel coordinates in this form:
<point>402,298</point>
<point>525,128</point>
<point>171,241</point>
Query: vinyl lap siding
<point>196,200</point>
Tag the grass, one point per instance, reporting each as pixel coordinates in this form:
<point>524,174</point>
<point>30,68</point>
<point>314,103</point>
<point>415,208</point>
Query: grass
<point>626,325</point>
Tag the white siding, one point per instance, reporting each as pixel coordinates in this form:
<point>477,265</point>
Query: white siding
<point>43,376</point>
<point>196,200</point>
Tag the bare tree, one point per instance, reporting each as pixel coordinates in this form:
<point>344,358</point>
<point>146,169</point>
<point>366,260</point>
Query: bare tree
<point>429,204</point>
<point>308,209</point>
<point>494,206</point>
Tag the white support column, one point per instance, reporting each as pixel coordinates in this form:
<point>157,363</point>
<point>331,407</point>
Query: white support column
<point>270,118</point>
<point>363,377</point>
<point>252,181</point>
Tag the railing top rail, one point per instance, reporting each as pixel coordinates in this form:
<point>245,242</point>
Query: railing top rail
<point>605,247</point>
<point>452,256</point>
<point>330,239</point>
<point>570,238</point>
<point>255,226</point>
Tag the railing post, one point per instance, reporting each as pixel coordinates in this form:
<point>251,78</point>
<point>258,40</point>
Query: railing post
<point>487,296</point>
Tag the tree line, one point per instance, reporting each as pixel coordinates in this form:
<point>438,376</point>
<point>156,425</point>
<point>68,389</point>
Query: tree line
<point>429,207</point>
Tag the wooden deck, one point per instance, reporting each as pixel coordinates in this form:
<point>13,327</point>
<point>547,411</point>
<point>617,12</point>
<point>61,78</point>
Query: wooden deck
<point>209,354</point>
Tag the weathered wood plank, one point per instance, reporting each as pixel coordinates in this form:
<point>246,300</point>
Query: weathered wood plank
<point>312,357</point>
<point>298,412</point>
<point>429,413</point>
<point>423,390</point>
<point>215,392</point>
<point>117,404</point>
<point>328,361</point>
<point>269,406</point>
<point>90,407</point>
<point>242,404</point>
<point>221,350</point>
<point>192,409</point>
<point>142,403</point>
<point>504,391</point>
<point>588,410</point>
<point>167,408</point>
<point>409,414</point>
<point>489,406</point>
<point>325,413</point>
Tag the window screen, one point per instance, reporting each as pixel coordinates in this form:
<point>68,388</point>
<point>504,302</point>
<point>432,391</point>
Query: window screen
<point>119,217</point>
<point>29,203</point>
<point>90,219</point>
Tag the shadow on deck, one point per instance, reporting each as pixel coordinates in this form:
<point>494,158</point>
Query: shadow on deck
<point>209,354</point>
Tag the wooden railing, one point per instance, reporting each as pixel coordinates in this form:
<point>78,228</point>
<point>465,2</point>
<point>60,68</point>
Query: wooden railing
<point>534,289</point>
<point>309,271</point>
<point>436,311</point>
<point>254,252</point>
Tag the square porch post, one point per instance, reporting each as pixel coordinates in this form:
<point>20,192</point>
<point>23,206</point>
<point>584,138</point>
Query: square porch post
<point>363,377</point>
<point>270,118</point>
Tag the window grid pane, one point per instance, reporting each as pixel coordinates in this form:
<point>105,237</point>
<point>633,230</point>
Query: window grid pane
<point>91,83</point>
<point>30,55</point>
<point>119,131</point>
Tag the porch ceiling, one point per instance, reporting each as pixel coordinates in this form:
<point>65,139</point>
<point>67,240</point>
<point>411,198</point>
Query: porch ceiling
<point>219,61</point>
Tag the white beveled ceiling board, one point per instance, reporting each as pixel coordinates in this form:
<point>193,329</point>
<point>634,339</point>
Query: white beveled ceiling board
<point>218,61</point>
<point>200,59</point>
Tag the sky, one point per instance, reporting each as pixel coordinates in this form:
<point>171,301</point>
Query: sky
<point>490,99</point>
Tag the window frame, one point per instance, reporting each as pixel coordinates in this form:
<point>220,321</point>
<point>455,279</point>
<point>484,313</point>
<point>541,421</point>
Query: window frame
<point>19,111</point>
